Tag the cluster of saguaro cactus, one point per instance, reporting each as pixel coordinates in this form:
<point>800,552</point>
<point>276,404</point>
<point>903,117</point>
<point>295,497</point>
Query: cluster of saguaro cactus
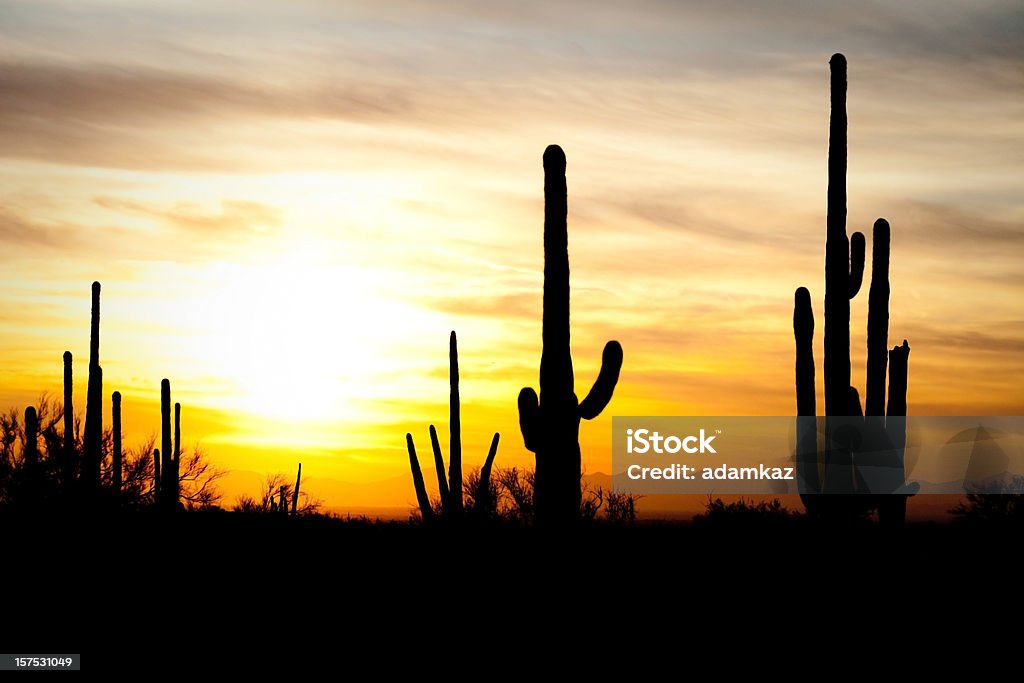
<point>450,486</point>
<point>550,423</point>
<point>844,270</point>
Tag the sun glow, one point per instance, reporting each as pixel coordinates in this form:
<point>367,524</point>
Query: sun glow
<point>289,336</point>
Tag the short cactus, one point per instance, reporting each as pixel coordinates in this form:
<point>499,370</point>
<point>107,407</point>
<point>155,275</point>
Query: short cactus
<point>450,486</point>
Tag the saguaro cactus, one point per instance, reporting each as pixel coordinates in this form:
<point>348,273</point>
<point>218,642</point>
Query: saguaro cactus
<point>176,460</point>
<point>157,477</point>
<point>30,455</point>
<point>169,463</point>
<point>115,420</point>
<point>450,486</point>
<point>550,423</point>
<point>93,438</point>
<point>295,491</point>
<point>844,270</point>
<point>67,465</point>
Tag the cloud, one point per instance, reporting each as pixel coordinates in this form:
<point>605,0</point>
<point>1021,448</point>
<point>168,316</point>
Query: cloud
<point>18,230</point>
<point>236,216</point>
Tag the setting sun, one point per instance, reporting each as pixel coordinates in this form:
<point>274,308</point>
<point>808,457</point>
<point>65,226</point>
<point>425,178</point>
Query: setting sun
<point>289,228</point>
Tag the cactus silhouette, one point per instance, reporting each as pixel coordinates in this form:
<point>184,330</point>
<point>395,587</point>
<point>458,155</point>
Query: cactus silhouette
<point>177,450</point>
<point>295,492</point>
<point>844,271</point>
<point>115,421</point>
<point>30,455</point>
<point>550,423</point>
<point>67,465</point>
<point>450,486</point>
<point>169,458</point>
<point>93,438</point>
<point>157,483</point>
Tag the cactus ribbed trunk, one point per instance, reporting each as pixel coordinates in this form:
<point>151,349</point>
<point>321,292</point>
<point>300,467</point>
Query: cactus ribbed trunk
<point>809,480</point>
<point>93,430</point>
<point>115,420</point>
<point>454,429</point>
<point>550,423</point>
<point>559,467</point>
<point>68,464</point>
<point>167,495</point>
<point>176,461</point>
<point>878,321</point>
<point>282,502</point>
<point>892,509</point>
<point>844,260</point>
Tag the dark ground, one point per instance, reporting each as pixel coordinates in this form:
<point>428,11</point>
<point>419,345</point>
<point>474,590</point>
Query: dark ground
<point>169,590</point>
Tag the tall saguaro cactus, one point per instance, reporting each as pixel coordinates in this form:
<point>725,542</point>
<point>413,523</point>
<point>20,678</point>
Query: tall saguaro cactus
<point>115,420</point>
<point>450,486</point>
<point>93,438</point>
<point>169,457</point>
<point>844,258</point>
<point>550,423</point>
<point>844,270</point>
<point>68,463</point>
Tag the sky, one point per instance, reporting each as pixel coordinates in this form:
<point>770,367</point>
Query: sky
<point>291,204</point>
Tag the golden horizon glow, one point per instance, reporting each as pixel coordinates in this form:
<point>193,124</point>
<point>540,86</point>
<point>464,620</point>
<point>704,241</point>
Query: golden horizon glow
<point>290,209</point>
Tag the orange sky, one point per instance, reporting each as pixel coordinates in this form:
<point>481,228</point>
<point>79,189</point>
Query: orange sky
<point>290,205</point>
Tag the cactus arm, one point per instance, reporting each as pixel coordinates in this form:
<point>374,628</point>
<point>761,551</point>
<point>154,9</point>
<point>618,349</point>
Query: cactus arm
<point>454,428</point>
<point>529,417</point>
<point>442,481</point>
<point>601,393</point>
<point>417,480</point>
<point>485,471</point>
<point>856,274</point>
<point>878,321</point>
